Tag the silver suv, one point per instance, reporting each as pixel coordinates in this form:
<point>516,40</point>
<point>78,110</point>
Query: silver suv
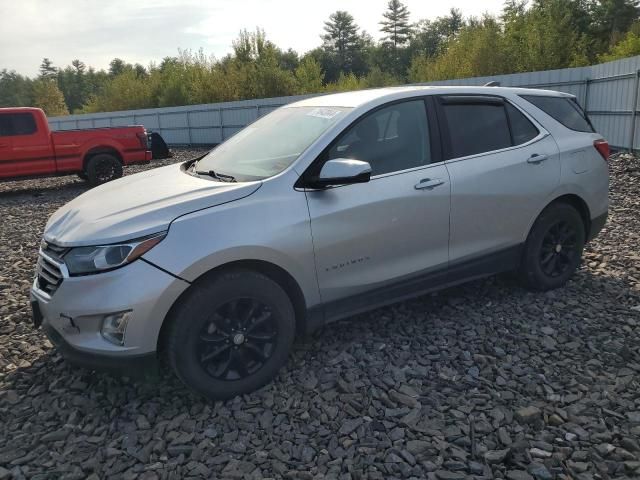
<point>324,208</point>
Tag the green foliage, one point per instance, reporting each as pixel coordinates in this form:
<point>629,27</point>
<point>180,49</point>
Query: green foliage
<point>309,75</point>
<point>396,24</point>
<point>48,97</point>
<point>626,47</point>
<point>15,89</point>
<point>527,36</point>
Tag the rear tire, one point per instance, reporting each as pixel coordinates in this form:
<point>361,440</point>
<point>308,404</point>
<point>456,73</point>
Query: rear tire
<point>553,250</point>
<point>103,168</point>
<point>230,334</point>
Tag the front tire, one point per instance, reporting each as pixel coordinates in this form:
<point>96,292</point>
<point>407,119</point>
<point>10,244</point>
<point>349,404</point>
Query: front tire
<point>103,168</point>
<point>553,250</point>
<point>230,334</point>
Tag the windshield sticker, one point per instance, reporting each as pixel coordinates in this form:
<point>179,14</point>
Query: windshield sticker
<point>327,113</point>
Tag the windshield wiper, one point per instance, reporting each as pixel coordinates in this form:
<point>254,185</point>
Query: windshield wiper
<point>218,176</point>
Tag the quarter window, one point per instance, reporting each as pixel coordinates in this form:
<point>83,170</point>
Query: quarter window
<point>391,139</point>
<point>476,127</point>
<point>562,109</point>
<point>17,124</point>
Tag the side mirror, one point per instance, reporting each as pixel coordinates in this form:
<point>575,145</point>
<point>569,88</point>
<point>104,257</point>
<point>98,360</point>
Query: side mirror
<point>342,171</point>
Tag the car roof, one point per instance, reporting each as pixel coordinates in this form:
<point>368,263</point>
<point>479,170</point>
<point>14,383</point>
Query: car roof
<point>359,98</point>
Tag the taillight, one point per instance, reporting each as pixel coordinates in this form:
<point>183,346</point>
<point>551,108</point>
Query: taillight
<point>603,148</point>
<point>144,140</point>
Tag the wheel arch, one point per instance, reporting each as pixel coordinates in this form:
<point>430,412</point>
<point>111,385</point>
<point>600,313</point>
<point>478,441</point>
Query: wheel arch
<point>270,270</point>
<point>580,205</point>
<point>93,151</point>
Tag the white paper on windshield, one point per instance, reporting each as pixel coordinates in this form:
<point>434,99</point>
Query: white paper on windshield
<point>323,113</point>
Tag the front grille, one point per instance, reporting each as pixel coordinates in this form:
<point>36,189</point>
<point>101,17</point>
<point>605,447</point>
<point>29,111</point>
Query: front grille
<point>49,267</point>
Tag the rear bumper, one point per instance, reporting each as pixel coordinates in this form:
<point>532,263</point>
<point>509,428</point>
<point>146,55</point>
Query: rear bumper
<point>596,225</point>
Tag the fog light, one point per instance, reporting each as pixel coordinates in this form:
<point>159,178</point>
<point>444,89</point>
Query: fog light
<point>114,327</point>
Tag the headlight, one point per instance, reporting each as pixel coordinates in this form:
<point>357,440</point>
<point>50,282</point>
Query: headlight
<point>84,260</point>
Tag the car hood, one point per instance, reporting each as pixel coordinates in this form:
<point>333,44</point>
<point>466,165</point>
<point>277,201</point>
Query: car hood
<point>138,205</point>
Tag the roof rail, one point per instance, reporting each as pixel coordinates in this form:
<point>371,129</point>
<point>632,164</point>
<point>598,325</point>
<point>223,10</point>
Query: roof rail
<point>492,83</point>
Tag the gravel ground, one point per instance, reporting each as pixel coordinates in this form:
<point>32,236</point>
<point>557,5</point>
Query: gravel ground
<point>481,381</point>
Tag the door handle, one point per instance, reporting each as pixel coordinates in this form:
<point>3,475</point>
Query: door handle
<point>535,158</point>
<point>428,183</point>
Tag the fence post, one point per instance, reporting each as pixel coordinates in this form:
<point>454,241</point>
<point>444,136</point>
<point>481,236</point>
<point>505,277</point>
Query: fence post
<point>585,105</point>
<point>221,125</point>
<point>634,111</point>
<point>189,127</point>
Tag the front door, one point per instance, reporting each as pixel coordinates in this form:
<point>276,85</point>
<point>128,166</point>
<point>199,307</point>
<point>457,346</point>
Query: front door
<point>371,237</point>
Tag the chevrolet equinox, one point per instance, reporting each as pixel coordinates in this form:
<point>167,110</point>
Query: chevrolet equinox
<point>321,209</point>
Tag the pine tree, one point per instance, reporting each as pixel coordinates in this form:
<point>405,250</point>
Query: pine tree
<point>47,70</point>
<point>341,39</point>
<point>396,23</point>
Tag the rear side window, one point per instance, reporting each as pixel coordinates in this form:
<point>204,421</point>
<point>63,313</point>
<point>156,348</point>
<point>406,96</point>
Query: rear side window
<point>476,127</point>
<point>17,124</point>
<point>562,109</point>
<point>522,130</point>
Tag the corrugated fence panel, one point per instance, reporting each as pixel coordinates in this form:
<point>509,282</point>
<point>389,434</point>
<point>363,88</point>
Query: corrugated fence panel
<point>609,90</point>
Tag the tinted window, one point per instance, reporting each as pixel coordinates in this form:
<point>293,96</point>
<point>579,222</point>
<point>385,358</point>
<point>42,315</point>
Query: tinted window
<point>391,139</point>
<point>476,127</point>
<point>522,130</point>
<point>564,110</point>
<point>17,124</point>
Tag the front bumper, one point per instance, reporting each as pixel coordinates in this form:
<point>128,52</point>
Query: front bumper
<point>72,316</point>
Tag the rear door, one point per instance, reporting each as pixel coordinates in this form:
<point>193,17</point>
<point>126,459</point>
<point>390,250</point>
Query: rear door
<point>391,230</point>
<point>503,167</point>
<point>29,151</point>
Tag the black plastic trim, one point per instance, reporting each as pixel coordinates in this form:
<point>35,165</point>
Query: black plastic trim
<point>416,285</point>
<point>129,365</point>
<point>596,225</point>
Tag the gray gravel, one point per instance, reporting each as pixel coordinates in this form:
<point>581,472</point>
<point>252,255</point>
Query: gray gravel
<point>482,381</point>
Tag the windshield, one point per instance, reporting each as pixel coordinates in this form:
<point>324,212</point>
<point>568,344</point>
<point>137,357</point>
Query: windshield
<point>272,143</point>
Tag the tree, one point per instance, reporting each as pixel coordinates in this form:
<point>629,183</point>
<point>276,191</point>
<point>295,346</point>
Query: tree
<point>15,90</point>
<point>47,70</point>
<point>430,37</point>
<point>396,23</point>
<point>627,47</point>
<point>612,18</point>
<point>309,75</point>
<point>48,97</point>
<point>341,40</point>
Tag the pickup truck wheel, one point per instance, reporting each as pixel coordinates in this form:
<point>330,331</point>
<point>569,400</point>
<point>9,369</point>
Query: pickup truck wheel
<point>231,334</point>
<point>553,249</point>
<point>103,168</point>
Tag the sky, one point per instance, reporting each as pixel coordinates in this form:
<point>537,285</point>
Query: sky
<point>141,31</point>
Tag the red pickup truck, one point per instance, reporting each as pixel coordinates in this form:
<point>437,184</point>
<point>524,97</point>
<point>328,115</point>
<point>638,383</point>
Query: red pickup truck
<point>28,148</point>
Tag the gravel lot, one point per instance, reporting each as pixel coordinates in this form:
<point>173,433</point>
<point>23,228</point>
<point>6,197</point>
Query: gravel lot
<point>482,381</point>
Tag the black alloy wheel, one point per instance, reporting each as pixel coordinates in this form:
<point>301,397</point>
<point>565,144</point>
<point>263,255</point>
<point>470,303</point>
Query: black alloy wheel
<point>558,250</point>
<point>553,249</point>
<point>230,333</point>
<point>238,340</point>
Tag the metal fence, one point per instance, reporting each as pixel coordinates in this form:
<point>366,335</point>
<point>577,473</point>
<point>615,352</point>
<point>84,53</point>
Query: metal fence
<point>608,92</point>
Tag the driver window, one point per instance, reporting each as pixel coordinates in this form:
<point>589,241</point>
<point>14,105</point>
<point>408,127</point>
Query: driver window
<point>391,139</point>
